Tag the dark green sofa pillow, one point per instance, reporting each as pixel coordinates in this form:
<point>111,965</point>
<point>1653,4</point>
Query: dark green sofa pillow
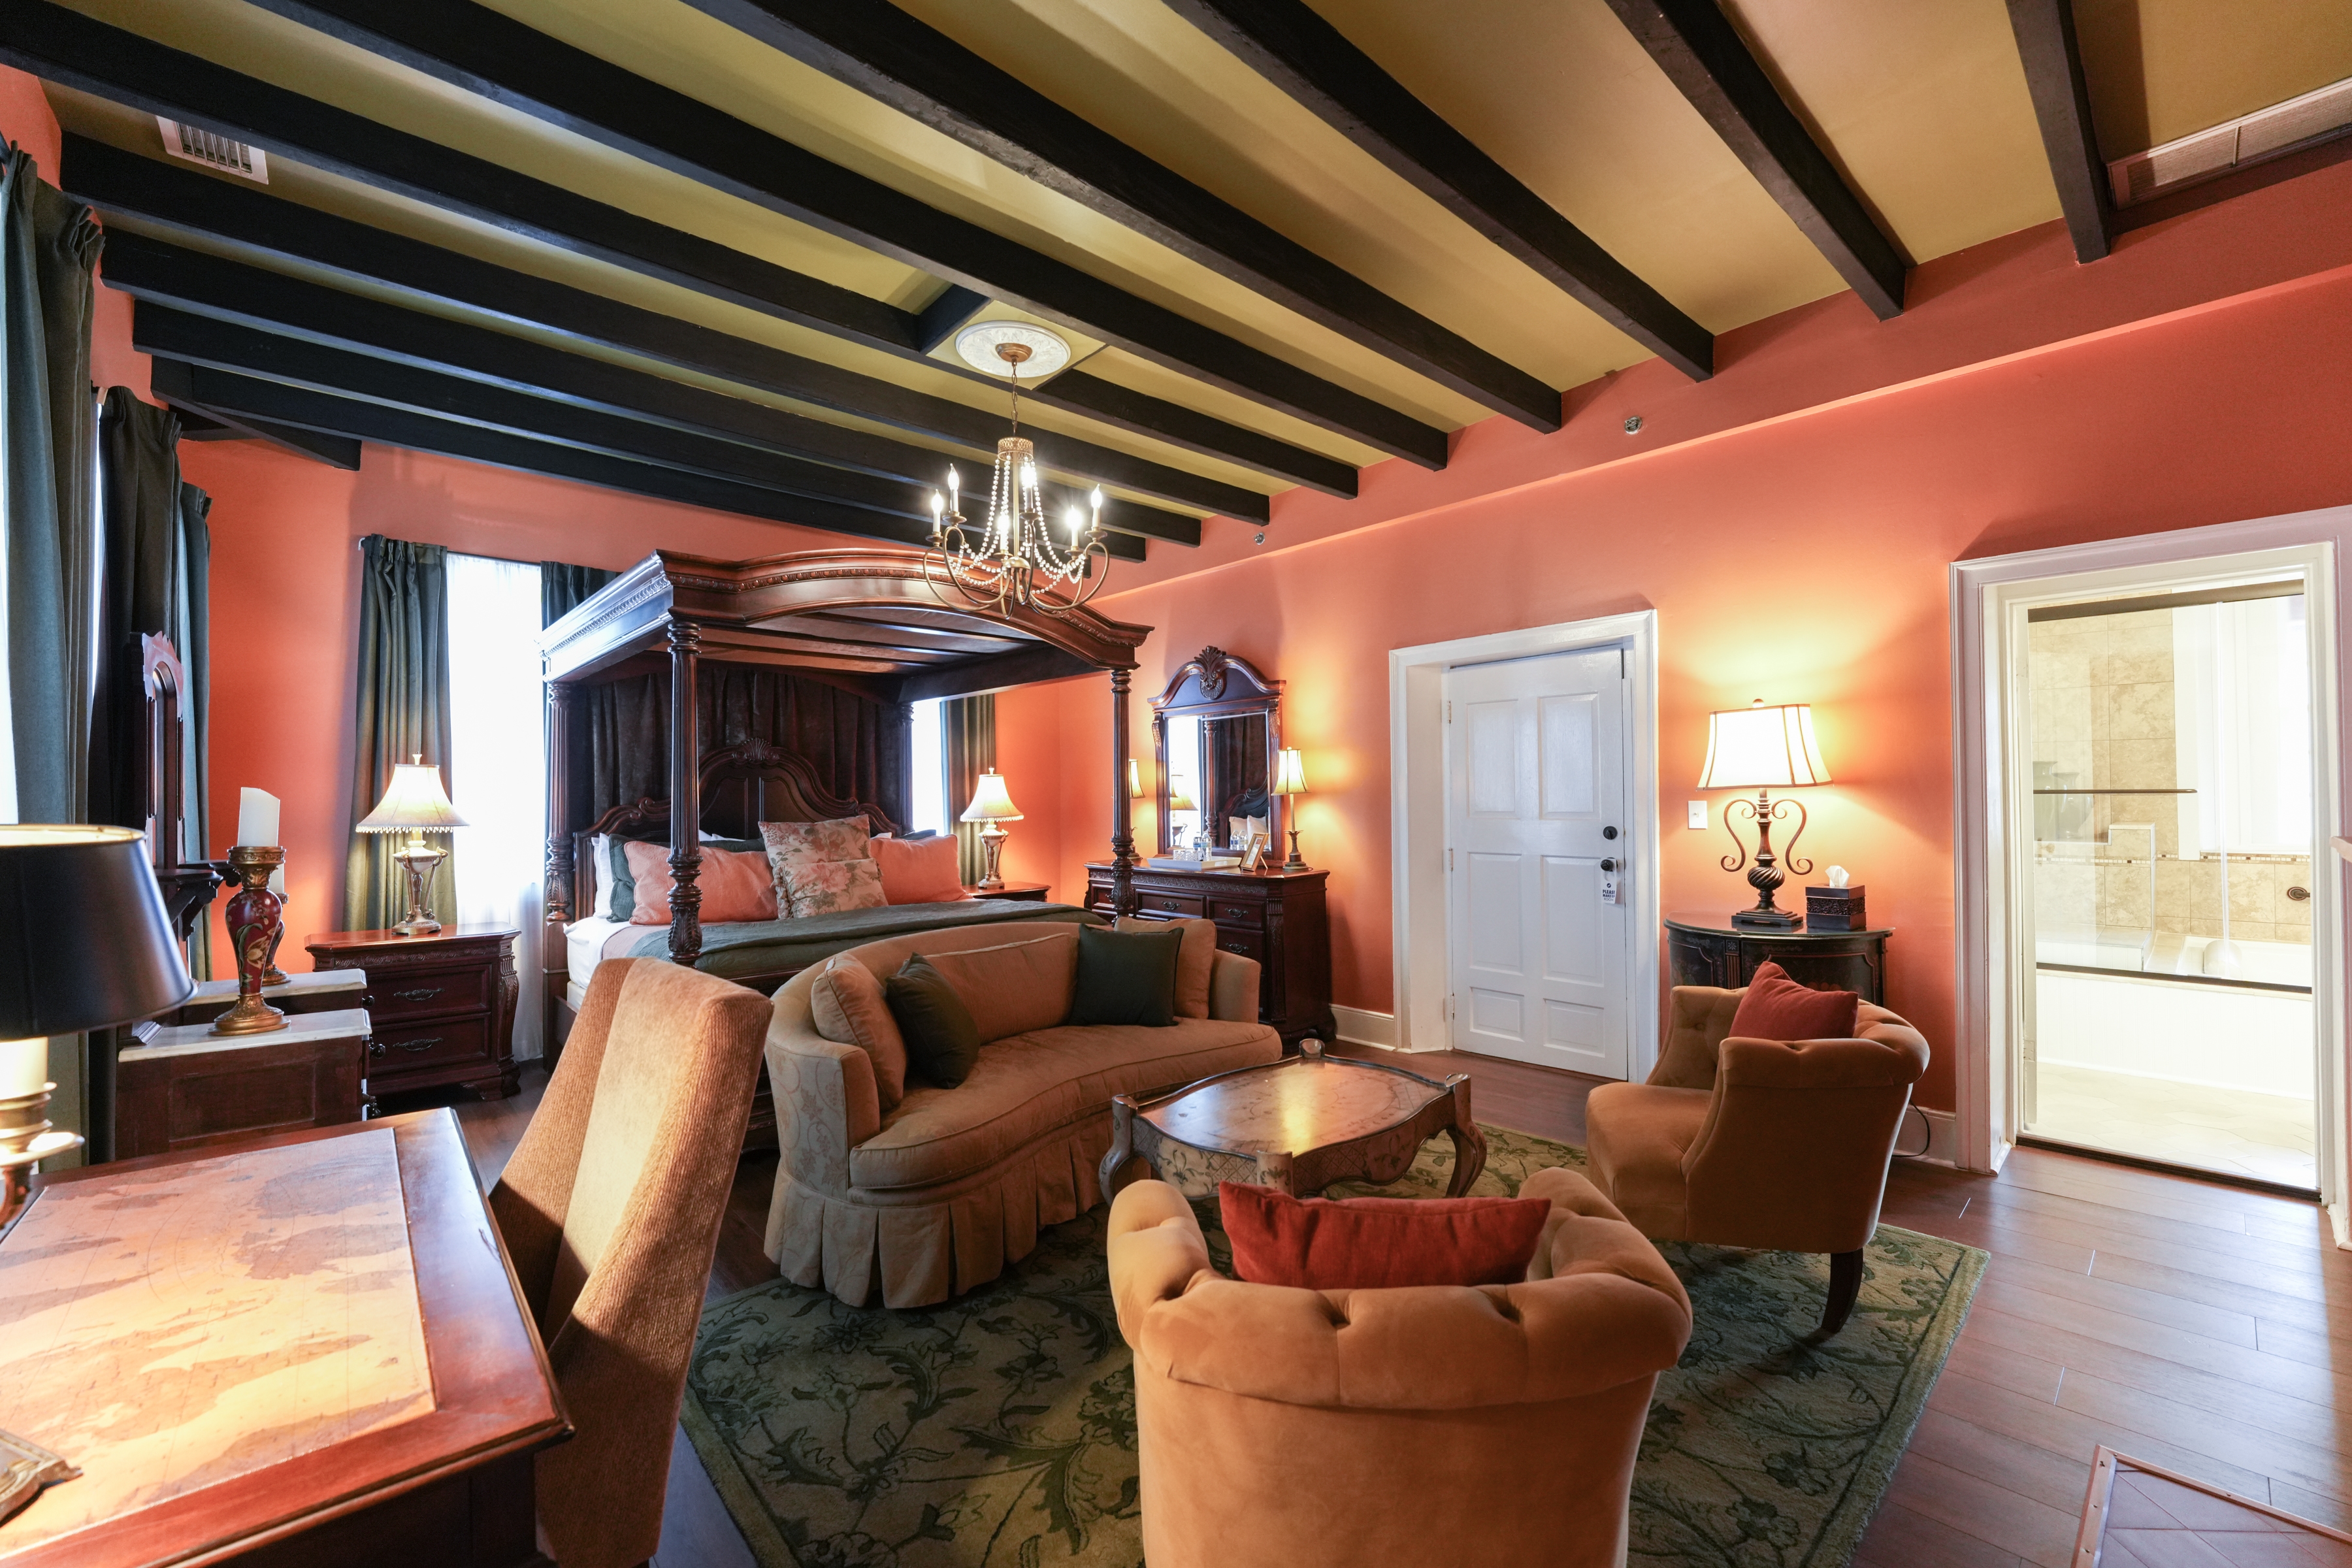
<point>942,1041</point>
<point>1126,977</point>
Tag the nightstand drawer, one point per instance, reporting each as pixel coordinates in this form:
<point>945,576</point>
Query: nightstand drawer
<point>1248,943</point>
<point>397,1050</point>
<point>1247,916</point>
<point>413,994</point>
<point>1173,904</point>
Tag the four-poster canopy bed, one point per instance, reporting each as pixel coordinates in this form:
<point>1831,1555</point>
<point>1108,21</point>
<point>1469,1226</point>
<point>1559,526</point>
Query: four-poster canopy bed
<point>873,621</point>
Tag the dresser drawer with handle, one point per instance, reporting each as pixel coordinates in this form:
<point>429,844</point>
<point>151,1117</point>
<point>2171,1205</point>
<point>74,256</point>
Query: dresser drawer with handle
<point>1248,943</point>
<point>1245,915</point>
<point>401,1048</point>
<point>1181,906</point>
<point>397,995</point>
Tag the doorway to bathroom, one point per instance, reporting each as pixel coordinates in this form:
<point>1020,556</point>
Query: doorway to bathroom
<point>2165,760</point>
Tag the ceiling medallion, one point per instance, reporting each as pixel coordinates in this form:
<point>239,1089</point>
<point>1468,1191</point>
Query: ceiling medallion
<point>977,345</point>
<point>1012,558</point>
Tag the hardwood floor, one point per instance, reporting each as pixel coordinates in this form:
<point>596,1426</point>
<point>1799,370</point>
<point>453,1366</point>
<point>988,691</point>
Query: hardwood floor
<point>2201,1327</point>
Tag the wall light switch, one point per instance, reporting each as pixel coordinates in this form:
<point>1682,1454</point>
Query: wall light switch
<point>1699,813</point>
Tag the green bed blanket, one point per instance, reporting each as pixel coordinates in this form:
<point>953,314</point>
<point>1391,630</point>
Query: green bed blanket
<point>737,948</point>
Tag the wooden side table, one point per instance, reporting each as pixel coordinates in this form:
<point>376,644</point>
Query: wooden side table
<point>183,1087</point>
<point>332,991</point>
<point>442,1005</point>
<point>1033,892</point>
<point>1708,950</point>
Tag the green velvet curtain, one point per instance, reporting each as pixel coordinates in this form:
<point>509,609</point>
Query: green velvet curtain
<point>968,727</point>
<point>139,447</point>
<point>403,712</point>
<point>48,245</point>
<point>562,586</point>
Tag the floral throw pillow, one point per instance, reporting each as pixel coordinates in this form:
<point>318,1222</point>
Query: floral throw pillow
<point>821,867</point>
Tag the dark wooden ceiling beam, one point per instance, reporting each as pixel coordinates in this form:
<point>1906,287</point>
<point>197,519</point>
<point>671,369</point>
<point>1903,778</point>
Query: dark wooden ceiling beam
<point>481,51</point>
<point>227,396</point>
<point>335,451</point>
<point>2062,104</point>
<point>291,307</point>
<point>1287,42</point>
<point>920,71</point>
<point>1704,54</point>
<point>124,184</point>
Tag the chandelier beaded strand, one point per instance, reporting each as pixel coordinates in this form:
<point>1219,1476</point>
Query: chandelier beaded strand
<point>1014,560</point>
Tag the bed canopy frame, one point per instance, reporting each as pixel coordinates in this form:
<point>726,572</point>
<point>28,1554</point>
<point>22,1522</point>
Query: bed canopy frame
<point>873,620</point>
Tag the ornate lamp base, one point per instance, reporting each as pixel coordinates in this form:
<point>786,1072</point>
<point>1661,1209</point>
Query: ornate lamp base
<point>420,860</point>
<point>25,1140</point>
<point>1294,863</point>
<point>991,844</point>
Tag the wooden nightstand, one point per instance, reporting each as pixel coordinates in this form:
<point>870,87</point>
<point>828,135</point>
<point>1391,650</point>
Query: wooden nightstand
<point>444,1005</point>
<point>183,1087</point>
<point>1033,892</point>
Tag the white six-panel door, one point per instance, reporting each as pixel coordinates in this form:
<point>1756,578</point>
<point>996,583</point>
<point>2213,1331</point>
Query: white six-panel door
<point>1537,840</point>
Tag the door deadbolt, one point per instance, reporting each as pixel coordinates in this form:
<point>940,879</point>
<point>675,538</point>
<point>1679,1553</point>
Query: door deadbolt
<point>1608,833</point>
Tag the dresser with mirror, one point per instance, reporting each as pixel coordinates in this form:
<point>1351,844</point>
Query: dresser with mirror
<point>1216,734</point>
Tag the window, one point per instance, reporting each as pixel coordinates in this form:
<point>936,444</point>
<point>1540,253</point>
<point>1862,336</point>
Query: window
<point>927,807</point>
<point>497,763</point>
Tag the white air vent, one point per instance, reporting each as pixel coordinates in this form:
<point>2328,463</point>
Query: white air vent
<point>2224,147</point>
<point>198,146</point>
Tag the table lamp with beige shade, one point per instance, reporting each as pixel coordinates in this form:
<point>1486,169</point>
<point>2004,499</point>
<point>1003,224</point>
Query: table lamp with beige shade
<point>1289,782</point>
<point>1764,748</point>
<point>414,804</point>
<point>84,945</point>
<point>992,807</point>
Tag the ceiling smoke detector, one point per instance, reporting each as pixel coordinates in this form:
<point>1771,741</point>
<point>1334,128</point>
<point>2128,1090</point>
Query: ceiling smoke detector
<point>214,151</point>
<point>977,345</point>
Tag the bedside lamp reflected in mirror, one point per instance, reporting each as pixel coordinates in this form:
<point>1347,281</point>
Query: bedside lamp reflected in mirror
<point>1764,748</point>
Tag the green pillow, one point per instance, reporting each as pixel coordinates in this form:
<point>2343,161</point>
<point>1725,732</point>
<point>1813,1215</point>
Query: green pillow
<point>943,1042</point>
<point>1126,977</point>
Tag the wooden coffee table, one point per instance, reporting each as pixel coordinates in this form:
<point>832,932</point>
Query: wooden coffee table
<point>1296,1125</point>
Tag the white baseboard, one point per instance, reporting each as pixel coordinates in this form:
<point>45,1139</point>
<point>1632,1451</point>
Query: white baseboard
<point>1943,1137</point>
<point>1358,1026</point>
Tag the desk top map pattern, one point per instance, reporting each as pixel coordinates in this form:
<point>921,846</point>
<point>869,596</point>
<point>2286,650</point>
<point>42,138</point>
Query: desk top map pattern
<point>174,1328</point>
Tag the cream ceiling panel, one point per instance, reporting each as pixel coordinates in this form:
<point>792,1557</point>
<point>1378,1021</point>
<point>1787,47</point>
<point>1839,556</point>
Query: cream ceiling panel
<point>1924,107</point>
<point>2160,69</point>
<point>1558,92</point>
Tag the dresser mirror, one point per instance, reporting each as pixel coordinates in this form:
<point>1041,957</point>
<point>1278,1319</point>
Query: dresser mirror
<point>1216,731</point>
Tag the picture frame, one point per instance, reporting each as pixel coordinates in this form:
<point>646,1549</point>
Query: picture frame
<point>1253,854</point>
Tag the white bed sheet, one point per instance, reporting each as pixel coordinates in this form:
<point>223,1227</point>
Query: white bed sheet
<point>587,944</point>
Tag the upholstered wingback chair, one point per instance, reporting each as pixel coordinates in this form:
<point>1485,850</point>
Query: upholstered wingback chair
<point>1758,1142</point>
<point>609,1209</point>
<point>1290,1428</point>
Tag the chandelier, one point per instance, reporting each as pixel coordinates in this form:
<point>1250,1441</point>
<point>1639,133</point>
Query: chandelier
<point>1015,558</point>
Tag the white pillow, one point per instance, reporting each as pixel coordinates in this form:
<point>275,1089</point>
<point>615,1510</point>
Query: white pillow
<point>1239,828</point>
<point>599,878</point>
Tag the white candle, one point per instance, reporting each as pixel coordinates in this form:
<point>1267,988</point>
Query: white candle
<point>23,1066</point>
<point>257,816</point>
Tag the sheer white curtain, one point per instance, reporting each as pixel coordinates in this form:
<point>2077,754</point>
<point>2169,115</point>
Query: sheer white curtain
<point>498,765</point>
<point>2241,722</point>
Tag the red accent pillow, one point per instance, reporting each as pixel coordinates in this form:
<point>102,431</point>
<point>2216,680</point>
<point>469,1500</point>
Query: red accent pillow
<point>1371,1244</point>
<point>737,885</point>
<point>1777,1008</point>
<point>919,870</point>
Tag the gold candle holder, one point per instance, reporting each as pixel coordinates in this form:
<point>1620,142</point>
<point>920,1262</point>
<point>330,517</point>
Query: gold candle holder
<point>255,922</point>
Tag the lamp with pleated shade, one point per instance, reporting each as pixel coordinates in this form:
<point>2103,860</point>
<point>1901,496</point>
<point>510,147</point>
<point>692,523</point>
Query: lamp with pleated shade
<point>414,802</point>
<point>1290,779</point>
<point>1764,748</point>
<point>992,807</point>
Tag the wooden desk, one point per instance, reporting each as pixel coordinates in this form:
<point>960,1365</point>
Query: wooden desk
<point>308,1348</point>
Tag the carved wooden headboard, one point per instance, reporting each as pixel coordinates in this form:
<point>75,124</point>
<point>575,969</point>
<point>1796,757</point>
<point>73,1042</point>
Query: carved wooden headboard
<point>743,786</point>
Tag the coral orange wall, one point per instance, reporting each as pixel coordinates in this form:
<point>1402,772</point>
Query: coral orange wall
<point>286,609</point>
<point>1802,559</point>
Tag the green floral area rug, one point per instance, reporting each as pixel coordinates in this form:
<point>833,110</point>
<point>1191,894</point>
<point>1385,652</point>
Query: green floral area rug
<point>998,1428</point>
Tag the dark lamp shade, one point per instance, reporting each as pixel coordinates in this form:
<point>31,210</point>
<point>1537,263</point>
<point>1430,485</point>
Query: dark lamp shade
<point>84,941</point>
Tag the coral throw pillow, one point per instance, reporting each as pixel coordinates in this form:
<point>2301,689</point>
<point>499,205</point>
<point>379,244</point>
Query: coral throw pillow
<point>823,868</point>
<point>1777,1008</point>
<point>919,870</point>
<point>735,886</point>
<point>1372,1243</point>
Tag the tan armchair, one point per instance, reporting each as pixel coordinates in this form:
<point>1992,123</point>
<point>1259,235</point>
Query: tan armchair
<point>1759,1143</point>
<point>1493,1424</point>
<point>609,1209</point>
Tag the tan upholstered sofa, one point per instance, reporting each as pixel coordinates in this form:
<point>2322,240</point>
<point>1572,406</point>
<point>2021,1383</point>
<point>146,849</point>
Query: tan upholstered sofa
<point>1759,1142</point>
<point>1290,1428</point>
<point>937,1196</point>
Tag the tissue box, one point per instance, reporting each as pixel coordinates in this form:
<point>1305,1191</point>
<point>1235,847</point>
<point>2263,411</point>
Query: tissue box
<point>1835,908</point>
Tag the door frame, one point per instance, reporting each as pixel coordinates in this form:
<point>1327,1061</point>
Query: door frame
<point>1990,598</point>
<point>1420,893</point>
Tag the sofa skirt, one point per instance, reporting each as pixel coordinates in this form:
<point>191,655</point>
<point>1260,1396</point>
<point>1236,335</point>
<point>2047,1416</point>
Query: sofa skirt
<point>921,1248</point>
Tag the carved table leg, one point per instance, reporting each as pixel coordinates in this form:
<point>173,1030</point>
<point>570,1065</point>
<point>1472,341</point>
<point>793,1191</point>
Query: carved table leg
<point>1469,1143</point>
<point>1274,1170</point>
<point>1122,1145</point>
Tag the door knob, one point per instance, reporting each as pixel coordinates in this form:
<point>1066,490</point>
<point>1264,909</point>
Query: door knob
<point>1609,865</point>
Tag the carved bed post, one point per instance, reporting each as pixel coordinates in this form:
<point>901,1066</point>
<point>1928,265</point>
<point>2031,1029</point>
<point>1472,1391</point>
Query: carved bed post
<point>1122,809</point>
<point>685,795</point>
<point>562,702</point>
